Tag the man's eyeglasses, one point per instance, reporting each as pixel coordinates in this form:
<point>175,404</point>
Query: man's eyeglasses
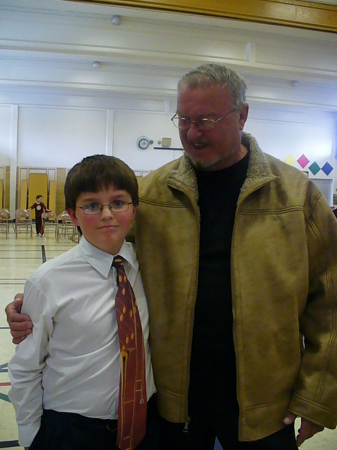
<point>203,124</point>
<point>117,206</point>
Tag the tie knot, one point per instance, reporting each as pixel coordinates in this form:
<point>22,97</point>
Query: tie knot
<point>117,261</point>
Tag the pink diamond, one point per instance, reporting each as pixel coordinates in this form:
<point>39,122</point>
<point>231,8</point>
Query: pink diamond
<point>303,161</point>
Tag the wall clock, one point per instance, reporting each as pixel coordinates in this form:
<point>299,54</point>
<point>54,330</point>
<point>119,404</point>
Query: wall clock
<point>143,142</point>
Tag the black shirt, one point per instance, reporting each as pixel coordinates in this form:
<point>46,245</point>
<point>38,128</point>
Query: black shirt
<point>213,371</point>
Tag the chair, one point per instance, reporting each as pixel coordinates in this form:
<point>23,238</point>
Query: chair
<point>23,220</point>
<point>5,218</point>
<point>65,226</point>
<point>49,222</point>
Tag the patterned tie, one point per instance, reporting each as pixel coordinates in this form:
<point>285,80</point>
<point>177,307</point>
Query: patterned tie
<point>132,403</point>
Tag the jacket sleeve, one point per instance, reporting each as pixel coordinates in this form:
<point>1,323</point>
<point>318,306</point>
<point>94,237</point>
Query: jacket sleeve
<point>131,234</point>
<point>26,367</point>
<point>315,392</point>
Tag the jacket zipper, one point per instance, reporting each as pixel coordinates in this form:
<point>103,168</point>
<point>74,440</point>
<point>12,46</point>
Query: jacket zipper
<point>241,199</point>
<point>185,430</point>
<point>195,208</point>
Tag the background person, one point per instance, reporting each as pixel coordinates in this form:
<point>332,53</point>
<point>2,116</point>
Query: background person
<point>39,207</point>
<point>237,253</point>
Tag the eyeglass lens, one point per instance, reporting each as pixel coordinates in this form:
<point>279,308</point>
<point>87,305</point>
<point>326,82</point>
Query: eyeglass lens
<point>115,207</point>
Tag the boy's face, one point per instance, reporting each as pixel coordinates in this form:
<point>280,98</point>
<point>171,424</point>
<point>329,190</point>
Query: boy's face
<point>39,200</point>
<point>105,230</point>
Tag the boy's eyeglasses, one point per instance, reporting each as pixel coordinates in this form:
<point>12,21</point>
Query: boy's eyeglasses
<point>203,124</point>
<point>117,206</point>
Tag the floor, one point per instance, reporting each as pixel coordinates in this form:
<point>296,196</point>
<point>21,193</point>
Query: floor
<point>19,258</point>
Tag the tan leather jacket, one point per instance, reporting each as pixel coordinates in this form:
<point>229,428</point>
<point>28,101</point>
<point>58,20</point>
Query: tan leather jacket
<point>284,283</point>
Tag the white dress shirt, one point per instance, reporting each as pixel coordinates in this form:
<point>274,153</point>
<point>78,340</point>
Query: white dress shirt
<point>70,362</point>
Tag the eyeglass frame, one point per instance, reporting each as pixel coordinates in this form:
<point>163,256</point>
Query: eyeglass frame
<point>198,121</point>
<point>125,203</point>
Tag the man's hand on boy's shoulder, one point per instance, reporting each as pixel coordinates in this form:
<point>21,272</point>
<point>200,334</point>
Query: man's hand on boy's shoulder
<point>20,324</point>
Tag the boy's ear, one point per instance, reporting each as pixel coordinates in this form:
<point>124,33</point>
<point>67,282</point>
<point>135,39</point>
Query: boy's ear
<point>134,212</point>
<point>72,215</point>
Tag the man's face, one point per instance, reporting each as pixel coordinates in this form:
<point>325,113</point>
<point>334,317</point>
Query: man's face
<point>219,147</point>
<point>105,230</point>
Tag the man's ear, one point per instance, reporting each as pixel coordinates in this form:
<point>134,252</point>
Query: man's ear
<point>72,215</point>
<point>243,115</point>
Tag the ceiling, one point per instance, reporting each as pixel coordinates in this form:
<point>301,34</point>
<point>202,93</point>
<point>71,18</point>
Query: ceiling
<point>49,46</point>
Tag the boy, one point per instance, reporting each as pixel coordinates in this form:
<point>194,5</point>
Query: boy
<point>66,376</point>
<point>39,207</point>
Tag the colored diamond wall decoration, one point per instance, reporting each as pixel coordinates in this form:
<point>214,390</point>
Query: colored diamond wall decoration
<point>327,169</point>
<point>303,161</point>
<point>290,160</point>
<point>314,168</point>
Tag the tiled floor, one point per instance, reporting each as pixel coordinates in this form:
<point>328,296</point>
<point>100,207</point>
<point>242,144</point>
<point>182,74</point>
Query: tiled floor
<point>19,258</point>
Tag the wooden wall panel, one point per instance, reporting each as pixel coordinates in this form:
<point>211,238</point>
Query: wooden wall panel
<point>300,14</point>
<point>61,174</point>
<point>38,185</point>
<point>52,196</point>
<point>7,188</point>
<point>23,194</point>
<point>1,193</point>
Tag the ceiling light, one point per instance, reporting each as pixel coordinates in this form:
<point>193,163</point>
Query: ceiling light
<point>116,20</point>
<point>96,64</point>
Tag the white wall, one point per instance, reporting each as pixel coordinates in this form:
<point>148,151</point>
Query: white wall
<point>60,136</point>
<point>130,125</point>
<point>288,134</point>
<point>285,133</point>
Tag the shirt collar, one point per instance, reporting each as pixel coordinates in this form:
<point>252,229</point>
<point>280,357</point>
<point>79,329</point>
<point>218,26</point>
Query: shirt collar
<point>102,261</point>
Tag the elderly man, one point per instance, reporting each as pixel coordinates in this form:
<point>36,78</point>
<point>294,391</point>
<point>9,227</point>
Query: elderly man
<point>237,255</point>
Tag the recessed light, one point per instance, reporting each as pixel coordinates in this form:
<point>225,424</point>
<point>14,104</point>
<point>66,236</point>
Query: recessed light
<point>96,64</point>
<point>116,20</point>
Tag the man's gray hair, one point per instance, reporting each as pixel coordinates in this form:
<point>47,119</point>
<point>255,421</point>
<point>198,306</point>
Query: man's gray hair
<point>217,74</point>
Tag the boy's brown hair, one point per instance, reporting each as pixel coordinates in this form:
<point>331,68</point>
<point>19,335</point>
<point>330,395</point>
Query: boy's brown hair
<point>98,172</point>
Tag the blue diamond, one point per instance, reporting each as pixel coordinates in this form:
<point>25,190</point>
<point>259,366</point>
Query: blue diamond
<point>327,169</point>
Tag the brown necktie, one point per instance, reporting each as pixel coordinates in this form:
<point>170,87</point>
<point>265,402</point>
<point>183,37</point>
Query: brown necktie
<point>132,403</point>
